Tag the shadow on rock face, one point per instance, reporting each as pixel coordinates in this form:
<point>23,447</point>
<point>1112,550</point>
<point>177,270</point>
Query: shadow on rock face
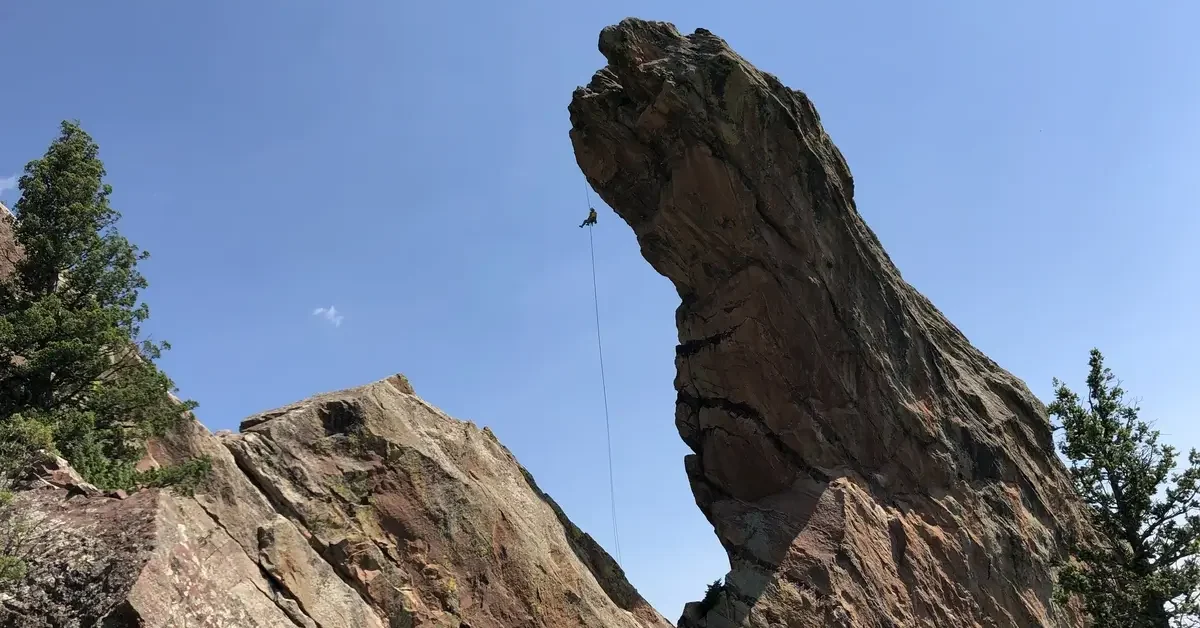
<point>860,461</point>
<point>361,508</point>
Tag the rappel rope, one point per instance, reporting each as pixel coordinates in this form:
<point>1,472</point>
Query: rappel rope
<point>612,491</point>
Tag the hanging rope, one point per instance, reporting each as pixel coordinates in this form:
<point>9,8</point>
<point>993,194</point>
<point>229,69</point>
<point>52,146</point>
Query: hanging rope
<point>612,491</point>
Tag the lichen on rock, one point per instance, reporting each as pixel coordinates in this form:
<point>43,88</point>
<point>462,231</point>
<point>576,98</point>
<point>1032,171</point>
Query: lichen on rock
<point>359,508</point>
<point>860,461</point>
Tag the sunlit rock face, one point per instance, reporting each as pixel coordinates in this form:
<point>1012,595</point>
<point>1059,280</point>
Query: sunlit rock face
<point>861,462</point>
<point>361,508</point>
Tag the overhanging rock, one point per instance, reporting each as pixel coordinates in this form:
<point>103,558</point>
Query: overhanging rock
<point>862,463</point>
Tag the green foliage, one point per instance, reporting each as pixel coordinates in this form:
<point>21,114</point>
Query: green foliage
<point>1144,573</point>
<point>14,530</point>
<point>711,596</point>
<point>184,477</point>
<point>19,439</point>
<point>76,377</point>
<point>12,569</point>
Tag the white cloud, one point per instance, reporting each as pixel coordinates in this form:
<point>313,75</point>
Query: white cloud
<point>330,314</point>
<point>8,183</point>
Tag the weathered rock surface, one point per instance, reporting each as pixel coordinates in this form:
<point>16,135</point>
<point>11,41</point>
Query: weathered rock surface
<point>861,462</point>
<point>10,252</point>
<point>356,509</point>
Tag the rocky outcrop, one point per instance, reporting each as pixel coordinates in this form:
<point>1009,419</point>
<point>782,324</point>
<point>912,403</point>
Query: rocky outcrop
<point>10,251</point>
<point>860,461</point>
<point>357,509</point>
<point>360,508</point>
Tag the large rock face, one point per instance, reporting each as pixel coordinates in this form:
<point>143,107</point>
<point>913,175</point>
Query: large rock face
<point>861,462</point>
<point>9,251</point>
<point>357,509</point>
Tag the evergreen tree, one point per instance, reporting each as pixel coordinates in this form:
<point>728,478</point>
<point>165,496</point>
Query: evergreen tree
<point>1144,573</point>
<point>76,377</point>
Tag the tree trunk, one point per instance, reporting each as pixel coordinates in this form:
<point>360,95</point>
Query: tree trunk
<point>1155,614</point>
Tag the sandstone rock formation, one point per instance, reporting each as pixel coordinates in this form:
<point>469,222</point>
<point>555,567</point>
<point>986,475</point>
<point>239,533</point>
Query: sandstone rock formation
<point>861,462</point>
<point>356,509</point>
<point>9,251</point>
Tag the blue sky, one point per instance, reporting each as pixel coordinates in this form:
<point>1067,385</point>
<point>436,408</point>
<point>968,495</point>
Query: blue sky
<point>1030,166</point>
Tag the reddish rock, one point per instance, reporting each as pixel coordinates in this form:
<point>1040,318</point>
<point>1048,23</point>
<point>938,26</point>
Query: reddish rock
<point>357,509</point>
<point>10,251</point>
<point>360,508</point>
<point>860,461</point>
<point>429,517</point>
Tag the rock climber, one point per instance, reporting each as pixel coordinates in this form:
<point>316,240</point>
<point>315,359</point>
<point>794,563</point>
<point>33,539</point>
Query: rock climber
<point>591,219</point>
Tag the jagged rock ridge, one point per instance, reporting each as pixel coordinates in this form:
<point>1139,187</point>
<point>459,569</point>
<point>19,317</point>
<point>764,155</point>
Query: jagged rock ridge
<point>366,507</point>
<point>860,461</point>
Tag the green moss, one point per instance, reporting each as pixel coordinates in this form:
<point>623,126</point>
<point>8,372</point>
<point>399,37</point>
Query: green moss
<point>320,521</point>
<point>340,489</point>
<point>322,446</point>
<point>368,521</point>
<point>356,444</point>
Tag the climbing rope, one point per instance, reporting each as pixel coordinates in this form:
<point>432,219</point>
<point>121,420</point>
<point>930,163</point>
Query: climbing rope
<point>612,491</point>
